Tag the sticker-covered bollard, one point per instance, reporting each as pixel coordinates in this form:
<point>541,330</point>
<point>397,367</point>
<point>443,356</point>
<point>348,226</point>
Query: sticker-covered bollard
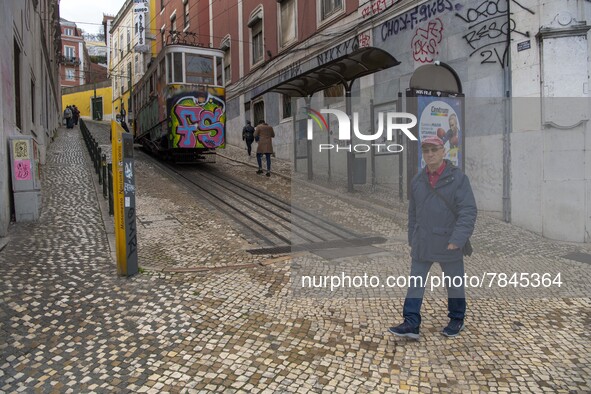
<point>124,200</point>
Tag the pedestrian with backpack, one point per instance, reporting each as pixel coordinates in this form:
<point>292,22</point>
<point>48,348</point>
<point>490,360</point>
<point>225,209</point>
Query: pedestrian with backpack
<point>248,136</point>
<point>68,114</point>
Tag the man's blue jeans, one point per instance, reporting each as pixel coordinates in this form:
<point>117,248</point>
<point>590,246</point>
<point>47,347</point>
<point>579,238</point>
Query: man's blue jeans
<point>260,161</point>
<point>456,297</point>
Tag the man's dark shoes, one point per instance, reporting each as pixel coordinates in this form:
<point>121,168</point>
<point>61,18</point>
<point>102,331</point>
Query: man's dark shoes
<point>268,173</point>
<point>405,330</point>
<point>259,172</point>
<point>453,328</point>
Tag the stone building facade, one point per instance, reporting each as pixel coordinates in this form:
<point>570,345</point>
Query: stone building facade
<point>30,102</point>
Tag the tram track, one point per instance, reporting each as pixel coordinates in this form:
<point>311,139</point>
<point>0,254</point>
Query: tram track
<point>264,219</point>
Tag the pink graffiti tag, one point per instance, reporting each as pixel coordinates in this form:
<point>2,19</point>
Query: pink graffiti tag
<point>198,120</point>
<point>22,170</point>
<point>375,7</point>
<point>364,40</point>
<point>426,41</point>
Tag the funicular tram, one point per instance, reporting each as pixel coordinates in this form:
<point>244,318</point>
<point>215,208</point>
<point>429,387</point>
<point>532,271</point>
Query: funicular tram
<point>180,104</point>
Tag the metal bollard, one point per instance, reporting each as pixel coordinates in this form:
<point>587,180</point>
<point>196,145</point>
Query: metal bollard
<point>89,146</point>
<point>96,156</point>
<point>99,154</point>
<point>104,171</point>
<point>111,204</point>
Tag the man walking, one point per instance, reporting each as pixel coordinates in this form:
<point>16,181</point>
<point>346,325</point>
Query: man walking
<point>441,217</point>
<point>248,136</point>
<point>265,134</point>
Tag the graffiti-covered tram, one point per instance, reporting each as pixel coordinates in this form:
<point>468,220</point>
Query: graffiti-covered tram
<point>180,104</point>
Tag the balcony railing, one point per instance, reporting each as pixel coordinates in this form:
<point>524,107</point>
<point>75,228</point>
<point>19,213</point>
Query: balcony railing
<point>71,61</point>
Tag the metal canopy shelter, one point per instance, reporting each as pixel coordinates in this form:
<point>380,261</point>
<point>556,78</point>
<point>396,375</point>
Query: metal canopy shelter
<point>342,70</point>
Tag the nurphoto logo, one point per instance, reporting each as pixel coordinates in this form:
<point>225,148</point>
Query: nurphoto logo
<point>389,119</point>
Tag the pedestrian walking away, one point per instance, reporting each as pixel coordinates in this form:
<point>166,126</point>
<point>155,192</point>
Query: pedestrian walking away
<point>75,114</point>
<point>441,218</point>
<point>248,136</point>
<point>264,134</point>
<point>68,115</point>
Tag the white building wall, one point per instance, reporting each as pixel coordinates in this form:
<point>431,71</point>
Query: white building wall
<point>21,21</point>
<point>551,110</point>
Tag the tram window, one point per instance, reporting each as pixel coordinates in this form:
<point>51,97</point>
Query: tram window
<point>199,68</point>
<point>219,71</point>
<point>169,68</point>
<point>162,70</point>
<point>178,67</point>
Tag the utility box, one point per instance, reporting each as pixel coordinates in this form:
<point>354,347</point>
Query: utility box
<point>26,183</point>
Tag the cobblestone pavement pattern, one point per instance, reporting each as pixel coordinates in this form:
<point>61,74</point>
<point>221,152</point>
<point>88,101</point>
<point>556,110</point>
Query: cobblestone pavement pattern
<point>69,324</point>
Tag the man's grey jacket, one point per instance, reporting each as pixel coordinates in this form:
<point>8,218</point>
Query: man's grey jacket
<point>431,224</point>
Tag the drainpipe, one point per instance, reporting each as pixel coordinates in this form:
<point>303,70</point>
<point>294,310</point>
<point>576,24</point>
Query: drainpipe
<point>350,155</point>
<point>508,125</point>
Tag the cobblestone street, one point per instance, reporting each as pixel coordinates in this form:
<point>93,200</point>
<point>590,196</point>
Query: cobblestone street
<point>204,315</point>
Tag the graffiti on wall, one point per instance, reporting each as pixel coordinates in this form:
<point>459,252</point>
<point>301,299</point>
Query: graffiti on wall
<point>365,39</point>
<point>291,71</point>
<point>342,49</point>
<point>375,7</point>
<point>410,19</point>
<point>197,121</point>
<point>425,43</point>
<point>488,25</point>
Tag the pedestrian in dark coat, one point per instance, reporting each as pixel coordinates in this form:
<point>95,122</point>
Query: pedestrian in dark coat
<point>436,234</point>
<point>264,134</point>
<point>248,136</point>
<point>75,114</point>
